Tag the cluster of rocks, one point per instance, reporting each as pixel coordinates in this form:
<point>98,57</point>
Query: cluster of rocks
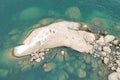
<point>104,46</point>
<point>38,56</point>
<point>107,48</point>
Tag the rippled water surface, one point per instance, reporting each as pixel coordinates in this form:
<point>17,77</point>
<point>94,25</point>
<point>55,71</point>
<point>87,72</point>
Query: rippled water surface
<point>17,18</point>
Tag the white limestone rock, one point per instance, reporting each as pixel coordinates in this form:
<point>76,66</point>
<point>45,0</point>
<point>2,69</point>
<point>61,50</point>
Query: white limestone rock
<point>101,40</point>
<point>114,76</point>
<point>36,55</point>
<point>102,53</point>
<point>53,35</point>
<point>109,38</point>
<point>89,38</point>
<point>62,52</point>
<point>106,60</point>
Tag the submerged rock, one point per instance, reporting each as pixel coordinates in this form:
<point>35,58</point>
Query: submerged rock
<point>99,22</point>
<point>63,75</point>
<point>49,66</point>
<point>31,13</point>
<point>73,13</point>
<point>81,73</point>
<point>46,21</point>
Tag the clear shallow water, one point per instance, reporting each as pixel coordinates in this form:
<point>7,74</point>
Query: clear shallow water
<point>18,16</point>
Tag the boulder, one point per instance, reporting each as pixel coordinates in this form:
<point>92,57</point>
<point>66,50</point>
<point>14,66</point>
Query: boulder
<point>114,76</point>
<point>109,38</point>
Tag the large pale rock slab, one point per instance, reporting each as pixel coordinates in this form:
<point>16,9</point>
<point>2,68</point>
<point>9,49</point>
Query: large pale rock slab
<point>58,34</point>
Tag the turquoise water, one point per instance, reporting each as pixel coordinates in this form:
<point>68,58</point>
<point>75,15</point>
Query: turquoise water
<point>18,16</point>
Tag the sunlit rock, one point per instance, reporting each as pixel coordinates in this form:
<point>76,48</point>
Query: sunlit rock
<point>109,38</point>
<point>107,49</point>
<point>53,36</point>
<point>46,21</point>
<point>106,60</point>
<point>102,53</point>
<point>114,76</point>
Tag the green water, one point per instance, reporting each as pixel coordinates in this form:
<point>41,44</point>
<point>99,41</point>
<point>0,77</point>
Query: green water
<point>18,16</point>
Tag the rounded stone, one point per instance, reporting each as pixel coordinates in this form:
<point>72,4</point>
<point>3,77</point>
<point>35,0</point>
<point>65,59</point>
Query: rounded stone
<point>113,68</point>
<point>49,66</point>
<point>100,40</point>
<point>102,53</point>
<point>73,13</point>
<point>106,60</point>
<point>109,38</point>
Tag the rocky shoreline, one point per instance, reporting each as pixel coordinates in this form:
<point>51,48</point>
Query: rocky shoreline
<point>76,36</point>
